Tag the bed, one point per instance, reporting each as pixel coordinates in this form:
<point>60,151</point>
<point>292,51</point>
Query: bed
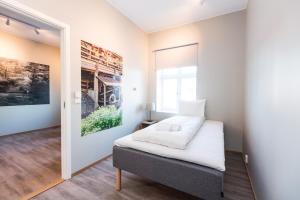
<point>198,170</point>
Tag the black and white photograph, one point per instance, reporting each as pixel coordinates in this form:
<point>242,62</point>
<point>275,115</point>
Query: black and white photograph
<point>23,83</point>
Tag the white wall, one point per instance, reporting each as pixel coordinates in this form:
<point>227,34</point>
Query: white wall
<point>221,68</point>
<point>15,119</point>
<point>97,22</point>
<point>272,137</point>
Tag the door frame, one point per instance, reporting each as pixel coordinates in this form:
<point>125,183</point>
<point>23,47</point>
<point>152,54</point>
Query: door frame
<point>17,7</point>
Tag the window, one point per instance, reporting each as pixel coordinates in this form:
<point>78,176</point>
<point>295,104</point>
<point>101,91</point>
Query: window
<point>174,84</point>
<point>176,76</point>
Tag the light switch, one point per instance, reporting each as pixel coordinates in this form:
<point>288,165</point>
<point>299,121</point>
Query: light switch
<point>78,95</point>
<point>78,101</point>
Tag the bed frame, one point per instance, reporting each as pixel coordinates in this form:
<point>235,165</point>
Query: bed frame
<point>197,180</point>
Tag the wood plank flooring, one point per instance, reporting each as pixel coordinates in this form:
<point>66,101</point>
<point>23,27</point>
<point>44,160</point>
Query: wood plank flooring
<point>28,162</point>
<point>98,182</point>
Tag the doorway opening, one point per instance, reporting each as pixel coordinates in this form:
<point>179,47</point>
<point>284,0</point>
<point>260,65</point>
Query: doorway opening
<point>35,100</point>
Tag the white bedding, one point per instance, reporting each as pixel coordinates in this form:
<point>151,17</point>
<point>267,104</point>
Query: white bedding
<point>189,126</point>
<point>206,148</point>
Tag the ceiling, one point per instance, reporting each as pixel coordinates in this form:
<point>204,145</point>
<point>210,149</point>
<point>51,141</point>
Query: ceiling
<point>157,15</point>
<point>47,34</point>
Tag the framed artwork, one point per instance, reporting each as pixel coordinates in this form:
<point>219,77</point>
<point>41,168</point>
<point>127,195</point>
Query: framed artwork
<point>23,83</point>
<point>101,90</point>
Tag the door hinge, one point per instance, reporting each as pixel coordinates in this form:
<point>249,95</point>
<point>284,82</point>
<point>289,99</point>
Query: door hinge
<point>64,104</point>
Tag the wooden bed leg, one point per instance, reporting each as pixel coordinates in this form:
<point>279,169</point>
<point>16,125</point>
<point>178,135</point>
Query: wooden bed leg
<point>118,179</point>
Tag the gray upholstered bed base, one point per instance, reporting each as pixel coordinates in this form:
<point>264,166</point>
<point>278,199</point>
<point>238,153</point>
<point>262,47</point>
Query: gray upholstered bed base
<point>197,180</point>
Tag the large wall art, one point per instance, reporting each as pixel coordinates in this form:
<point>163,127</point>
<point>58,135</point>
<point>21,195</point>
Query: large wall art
<point>101,76</point>
<point>23,83</point>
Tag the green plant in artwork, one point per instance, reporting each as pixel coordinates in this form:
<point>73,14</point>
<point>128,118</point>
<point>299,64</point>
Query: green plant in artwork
<point>104,117</point>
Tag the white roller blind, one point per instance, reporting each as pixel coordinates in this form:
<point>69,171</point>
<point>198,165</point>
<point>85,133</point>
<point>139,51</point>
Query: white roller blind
<point>176,77</point>
<point>177,57</point>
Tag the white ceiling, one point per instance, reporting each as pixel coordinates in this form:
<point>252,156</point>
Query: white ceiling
<point>156,15</point>
<point>48,35</point>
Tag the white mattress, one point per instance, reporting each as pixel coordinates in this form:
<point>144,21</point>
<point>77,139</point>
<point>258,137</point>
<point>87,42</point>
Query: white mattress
<point>206,148</point>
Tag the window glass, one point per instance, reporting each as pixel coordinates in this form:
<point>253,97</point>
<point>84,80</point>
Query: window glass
<point>188,89</point>
<point>174,84</point>
<point>169,96</point>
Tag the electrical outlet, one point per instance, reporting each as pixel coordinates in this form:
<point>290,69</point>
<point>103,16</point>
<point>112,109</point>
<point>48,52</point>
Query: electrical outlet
<point>246,159</point>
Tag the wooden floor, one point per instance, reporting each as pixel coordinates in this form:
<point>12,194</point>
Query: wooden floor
<point>28,162</point>
<point>98,182</point>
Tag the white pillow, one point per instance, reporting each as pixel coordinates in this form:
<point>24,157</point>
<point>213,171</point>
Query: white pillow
<point>192,108</point>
